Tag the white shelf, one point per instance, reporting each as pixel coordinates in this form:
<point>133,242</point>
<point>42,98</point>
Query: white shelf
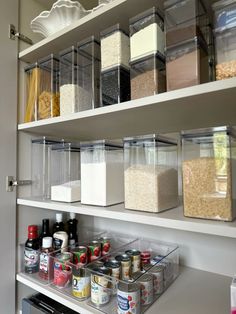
<point>118,11</point>
<point>194,292</point>
<point>172,219</point>
<point>199,106</point>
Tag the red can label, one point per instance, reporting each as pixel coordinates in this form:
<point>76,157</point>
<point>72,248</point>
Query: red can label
<point>62,274</point>
<point>80,256</point>
<point>94,250</point>
<point>106,246</point>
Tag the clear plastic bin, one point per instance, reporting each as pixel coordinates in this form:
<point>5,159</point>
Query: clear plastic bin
<point>184,20</point>
<point>102,174</point>
<point>148,28</point>
<point>148,77</point>
<point>151,175</point>
<point>89,61</point>
<point>225,14</point>
<point>115,48</point>
<point>113,295</point>
<point>41,167</point>
<point>187,64</point>
<point>65,172</point>
<point>69,86</point>
<point>115,86</point>
<point>209,173</point>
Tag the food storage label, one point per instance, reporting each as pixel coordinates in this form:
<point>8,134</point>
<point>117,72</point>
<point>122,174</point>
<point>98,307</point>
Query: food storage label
<point>128,302</point>
<point>81,287</point>
<point>31,258</point>
<point>43,263</point>
<point>99,292</point>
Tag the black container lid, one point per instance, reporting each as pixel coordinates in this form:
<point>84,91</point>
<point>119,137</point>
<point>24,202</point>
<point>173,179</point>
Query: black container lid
<point>204,132</point>
<point>158,56</point>
<point>147,13</point>
<point>161,140</point>
<point>108,145</point>
<point>112,29</point>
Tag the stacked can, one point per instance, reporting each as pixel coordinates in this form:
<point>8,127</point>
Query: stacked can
<point>62,271</point>
<point>135,256</point>
<point>100,290</point>
<point>80,283</point>
<point>125,261</point>
<point>128,298</point>
<point>146,288</point>
<point>94,250</point>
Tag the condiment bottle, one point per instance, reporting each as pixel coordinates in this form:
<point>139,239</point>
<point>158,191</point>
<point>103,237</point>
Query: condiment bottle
<point>45,230</point>
<point>60,241</point>
<point>72,230</point>
<point>45,261</point>
<point>31,253</point>
<point>59,225</point>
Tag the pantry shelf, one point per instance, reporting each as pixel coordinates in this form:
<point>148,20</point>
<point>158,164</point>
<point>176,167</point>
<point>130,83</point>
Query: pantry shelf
<point>210,104</point>
<point>194,291</point>
<point>118,11</point>
<point>172,219</point>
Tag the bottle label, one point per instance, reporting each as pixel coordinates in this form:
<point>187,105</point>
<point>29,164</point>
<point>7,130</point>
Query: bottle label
<point>72,243</point>
<point>43,263</point>
<point>57,244</point>
<point>31,260</point>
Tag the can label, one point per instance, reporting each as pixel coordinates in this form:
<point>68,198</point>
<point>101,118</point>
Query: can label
<point>31,260</point>
<point>106,246</point>
<point>128,302</point>
<point>62,274</point>
<point>81,287</point>
<point>94,251</point>
<point>158,282</point>
<point>99,290</point>
<point>125,270</point>
<point>146,292</point>
<point>136,263</point>
<point>81,256</point>
<point>115,272</point>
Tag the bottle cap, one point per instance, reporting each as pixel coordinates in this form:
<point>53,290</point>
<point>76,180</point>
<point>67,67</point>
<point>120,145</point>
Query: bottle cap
<point>47,242</point>
<point>45,221</point>
<point>58,217</point>
<point>32,229</point>
<point>72,215</point>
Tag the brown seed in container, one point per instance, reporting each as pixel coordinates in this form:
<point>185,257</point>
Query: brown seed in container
<point>226,70</point>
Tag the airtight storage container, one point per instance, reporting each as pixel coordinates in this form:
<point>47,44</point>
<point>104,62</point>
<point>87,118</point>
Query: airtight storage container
<point>151,176</point>
<point>65,172</point>
<point>209,173</point>
<point>102,174</point>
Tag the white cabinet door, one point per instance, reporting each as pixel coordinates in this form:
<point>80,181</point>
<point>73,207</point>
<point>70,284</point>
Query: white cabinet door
<point>8,123</point>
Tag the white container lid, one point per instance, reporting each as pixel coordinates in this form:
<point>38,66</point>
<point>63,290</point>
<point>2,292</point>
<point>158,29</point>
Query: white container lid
<point>58,217</point>
<point>47,242</point>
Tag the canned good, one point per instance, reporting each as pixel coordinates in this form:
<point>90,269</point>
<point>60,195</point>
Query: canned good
<point>168,270</point>
<point>146,287</point>
<point>145,258</point>
<point>114,267</point>
<point>135,260</point>
<point>94,250</point>
<point>64,257</point>
<point>128,298</point>
<point>81,283</point>
<point>62,272</point>
<point>100,294</point>
<point>125,261</point>
<point>80,255</point>
<point>105,245</point>
<point>158,278</point>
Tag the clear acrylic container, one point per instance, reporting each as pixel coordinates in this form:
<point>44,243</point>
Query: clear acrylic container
<point>115,48</point>
<point>115,86</point>
<point>32,75</point>
<point>65,172</point>
<point>209,173</point>
<point>89,62</point>
<point>151,175</point>
<point>148,28</point>
<point>225,17</point>
<point>184,20</point>
<point>137,294</point>
<point>187,64</point>
<point>102,175</point>
<point>69,87</point>
<point>148,76</point>
<point>41,167</point>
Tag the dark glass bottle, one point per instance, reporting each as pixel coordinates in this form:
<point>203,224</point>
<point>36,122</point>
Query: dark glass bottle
<point>59,225</point>
<point>72,230</point>
<point>45,230</point>
<point>31,253</point>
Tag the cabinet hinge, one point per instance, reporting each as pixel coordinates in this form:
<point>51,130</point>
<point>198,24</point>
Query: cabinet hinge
<point>11,182</point>
<point>13,34</point>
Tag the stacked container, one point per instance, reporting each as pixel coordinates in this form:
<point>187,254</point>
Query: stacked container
<point>225,33</point>
<point>102,174</point>
<point>209,173</point>
<point>147,61</point>
<point>41,167</point>
<point>151,176</point>
<point>186,43</point>
<point>115,72</point>
<point>65,172</point>
<point>42,89</point>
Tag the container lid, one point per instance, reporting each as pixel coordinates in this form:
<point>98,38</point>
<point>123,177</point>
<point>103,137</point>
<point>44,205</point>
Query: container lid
<point>123,258</point>
<point>47,242</point>
<point>112,29</point>
<point>225,15</point>
<point>208,131</point>
<point>101,144</point>
<point>160,60</point>
<point>67,50</point>
<point>50,57</point>
<point>31,66</point>
<point>88,40</point>
<point>45,140</point>
<point>145,14</point>
<point>72,147</point>
<point>181,8</point>
<point>160,139</point>
<point>222,4</point>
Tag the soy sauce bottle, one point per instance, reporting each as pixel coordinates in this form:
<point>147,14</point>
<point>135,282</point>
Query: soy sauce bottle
<point>45,231</point>
<point>72,230</point>
<point>59,225</point>
<point>31,252</point>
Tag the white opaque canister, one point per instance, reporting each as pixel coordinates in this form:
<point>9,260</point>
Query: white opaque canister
<point>102,174</point>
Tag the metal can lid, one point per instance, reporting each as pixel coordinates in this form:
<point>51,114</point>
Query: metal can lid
<point>112,264</point>
<point>146,254</point>
<point>132,252</point>
<point>102,270</point>
<point>80,271</point>
<point>145,278</point>
<point>122,258</point>
<point>128,287</point>
<point>80,249</point>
